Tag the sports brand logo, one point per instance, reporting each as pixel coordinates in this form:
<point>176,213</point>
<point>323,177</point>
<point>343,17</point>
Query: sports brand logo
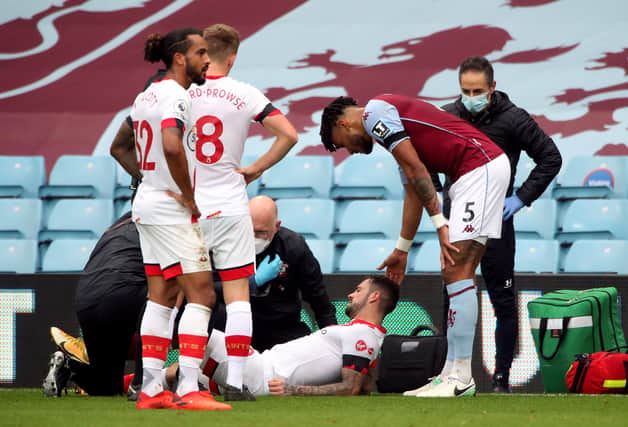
<point>468,229</point>
<point>465,390</point>
<point>380,130</point>
<point>360,345</point>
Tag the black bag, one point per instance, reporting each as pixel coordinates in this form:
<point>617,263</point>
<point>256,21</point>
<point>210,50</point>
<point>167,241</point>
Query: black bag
<point>409,361</point>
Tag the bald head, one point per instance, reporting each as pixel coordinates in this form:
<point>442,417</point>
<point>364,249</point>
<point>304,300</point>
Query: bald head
<point>264,215</point>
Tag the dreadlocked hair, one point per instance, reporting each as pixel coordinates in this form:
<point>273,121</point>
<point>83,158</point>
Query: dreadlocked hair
<point>330,116</point>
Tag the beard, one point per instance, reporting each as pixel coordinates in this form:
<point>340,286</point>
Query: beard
<point>353,308</point>
<point>195,76</point>
<point>365,143</point>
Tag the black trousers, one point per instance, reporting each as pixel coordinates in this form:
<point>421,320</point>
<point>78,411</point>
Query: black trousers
<point>497,268</point>
<point>108,328</point>
<point>498,265</point>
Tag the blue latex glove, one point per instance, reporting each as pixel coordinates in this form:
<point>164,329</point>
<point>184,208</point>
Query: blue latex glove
<point>267,270</point>
<point>512,205</point>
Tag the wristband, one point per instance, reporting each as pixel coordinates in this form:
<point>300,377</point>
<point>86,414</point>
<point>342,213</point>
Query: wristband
<point>403,245</point>
<point>438,220</point>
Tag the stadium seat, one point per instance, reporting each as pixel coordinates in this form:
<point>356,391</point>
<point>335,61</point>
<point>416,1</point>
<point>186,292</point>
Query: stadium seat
<point>426,258</point>
<point>594,219</point>
<point>252,188</point>
<point>323,250</point>
<point>367,177</point>
<point>67,255</point>
<point>312,218</point>
<point>426,230</point>
<point>122,207</point>
<point>18,256</point>
<point>299,176</point>
<point>536,256</point>
<point>20,218</point>
<point>537,221</point>
<point>123,182</point>
<point>593,177</point>
<point>21,176</point>
<point>81,176</point>
<point>364,255</point>
<point>597,256</point>
<point>524,167</point>
<point>369,219</point>
<point>78,218</point>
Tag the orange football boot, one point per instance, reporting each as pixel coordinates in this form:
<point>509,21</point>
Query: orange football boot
<point>198,400</point>
<point>161,400</point>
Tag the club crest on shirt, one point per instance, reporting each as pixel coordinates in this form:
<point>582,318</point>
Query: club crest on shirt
<point>380,130</point>
<point>191,139</point>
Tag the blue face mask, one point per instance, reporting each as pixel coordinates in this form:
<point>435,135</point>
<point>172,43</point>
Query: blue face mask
<point>475,104</point>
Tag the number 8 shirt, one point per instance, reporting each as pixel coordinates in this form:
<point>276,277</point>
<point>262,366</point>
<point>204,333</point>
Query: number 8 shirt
<point>222,111</point>
<point>165,103</point>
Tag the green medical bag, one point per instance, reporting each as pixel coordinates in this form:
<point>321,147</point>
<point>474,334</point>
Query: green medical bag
<point>568,323</point>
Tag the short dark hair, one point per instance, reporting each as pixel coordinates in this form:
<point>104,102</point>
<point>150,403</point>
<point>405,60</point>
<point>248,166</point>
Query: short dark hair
<point>222,41</point>
<point>388,289</point>
<point>162,48</point>
<point>477,63</point>
<point>330,116</point>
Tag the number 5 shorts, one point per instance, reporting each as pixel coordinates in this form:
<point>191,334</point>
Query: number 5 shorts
<point>173,250</point>
<point>477,202</point>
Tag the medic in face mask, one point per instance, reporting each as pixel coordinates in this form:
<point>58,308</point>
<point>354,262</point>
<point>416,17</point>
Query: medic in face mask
<point>476,91</point>
<point>261,245</point>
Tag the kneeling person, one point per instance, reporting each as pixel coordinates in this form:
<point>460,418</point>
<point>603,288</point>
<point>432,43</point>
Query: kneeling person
<point>332,361</point>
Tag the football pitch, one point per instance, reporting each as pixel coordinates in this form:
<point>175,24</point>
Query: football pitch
<point>28,407</point>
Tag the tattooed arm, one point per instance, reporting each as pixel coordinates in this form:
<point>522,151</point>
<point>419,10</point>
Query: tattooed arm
<point>368,385</point>
<point>351,384</point>
<point>423,195</point>
<point>419,178</point>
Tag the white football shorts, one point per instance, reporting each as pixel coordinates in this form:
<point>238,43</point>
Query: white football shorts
<point>172,250</point>
<point>477,202</point>
<point>230,242</point>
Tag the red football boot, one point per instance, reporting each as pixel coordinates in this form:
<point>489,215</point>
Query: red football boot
<point>198,400</point>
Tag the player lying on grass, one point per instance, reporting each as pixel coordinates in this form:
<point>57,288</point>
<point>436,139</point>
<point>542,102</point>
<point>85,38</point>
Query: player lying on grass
<point>332,361</point>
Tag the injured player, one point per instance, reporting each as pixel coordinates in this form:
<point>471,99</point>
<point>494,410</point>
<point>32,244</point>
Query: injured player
<point>332,361</point>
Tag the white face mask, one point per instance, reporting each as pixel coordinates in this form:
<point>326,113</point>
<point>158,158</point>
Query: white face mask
<point>261,245</point>
<point>475,104</point>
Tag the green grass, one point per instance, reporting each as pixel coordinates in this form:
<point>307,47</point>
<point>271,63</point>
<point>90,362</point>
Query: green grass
<point>28,407</point>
